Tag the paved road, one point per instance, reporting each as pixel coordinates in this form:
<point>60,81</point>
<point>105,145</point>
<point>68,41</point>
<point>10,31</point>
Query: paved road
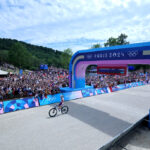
<point>138,139</point>
<point>90,123</point>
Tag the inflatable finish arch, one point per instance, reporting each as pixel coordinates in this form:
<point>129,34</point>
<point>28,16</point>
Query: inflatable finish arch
<point>126,54</point>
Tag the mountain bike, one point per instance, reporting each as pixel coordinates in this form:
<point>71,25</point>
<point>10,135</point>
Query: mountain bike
<point>53,111</point>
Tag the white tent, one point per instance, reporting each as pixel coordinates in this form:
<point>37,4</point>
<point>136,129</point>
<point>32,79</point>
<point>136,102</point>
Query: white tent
<point>3,72</point>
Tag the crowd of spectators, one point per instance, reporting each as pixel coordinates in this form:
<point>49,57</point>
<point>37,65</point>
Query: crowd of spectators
<point>45,82</point>
<point>32,83</point>
<point>100,81</point>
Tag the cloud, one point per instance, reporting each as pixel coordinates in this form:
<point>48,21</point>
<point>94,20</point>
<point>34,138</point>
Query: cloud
<point>74,44</point>
<point>62,24</point>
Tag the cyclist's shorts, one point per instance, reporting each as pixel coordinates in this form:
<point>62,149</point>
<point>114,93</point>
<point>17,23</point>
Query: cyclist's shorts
<point>60,104</point>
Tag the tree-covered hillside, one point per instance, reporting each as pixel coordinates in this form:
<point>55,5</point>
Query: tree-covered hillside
<point>28,56</point>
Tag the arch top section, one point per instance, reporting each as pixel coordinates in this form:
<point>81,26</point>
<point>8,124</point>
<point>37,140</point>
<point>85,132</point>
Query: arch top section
<point>125,54</point>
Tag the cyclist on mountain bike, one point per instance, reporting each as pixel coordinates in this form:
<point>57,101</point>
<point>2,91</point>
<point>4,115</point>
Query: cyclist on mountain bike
<point>58,108</point>
<point>61,102</point>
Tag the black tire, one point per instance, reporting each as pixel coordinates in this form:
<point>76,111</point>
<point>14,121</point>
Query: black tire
<point>64,109</point>
<point>53,112</point>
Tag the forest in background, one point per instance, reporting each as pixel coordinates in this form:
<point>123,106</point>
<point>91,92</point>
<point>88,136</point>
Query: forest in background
<point>28,56</point>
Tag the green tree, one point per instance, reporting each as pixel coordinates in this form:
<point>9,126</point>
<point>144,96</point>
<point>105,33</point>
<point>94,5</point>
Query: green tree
<point>120,40</point>
<point>96,46</point>
<point>66,57</point>
<point>111,42</point>
<point>3,56</point>
<point>33,55</point>
<point>19,56</point>
<point>68,51</point>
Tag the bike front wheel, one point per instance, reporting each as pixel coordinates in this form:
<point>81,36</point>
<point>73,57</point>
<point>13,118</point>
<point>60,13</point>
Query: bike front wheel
<point>64,109</point>
<point>53,112</point>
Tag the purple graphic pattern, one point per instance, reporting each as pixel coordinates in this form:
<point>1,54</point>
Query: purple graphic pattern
<point>1,108</point>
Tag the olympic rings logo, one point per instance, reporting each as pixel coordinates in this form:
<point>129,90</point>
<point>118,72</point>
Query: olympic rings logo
<point>132,53</point>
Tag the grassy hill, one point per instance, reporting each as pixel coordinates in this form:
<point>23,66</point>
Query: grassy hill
<point>36,54</point>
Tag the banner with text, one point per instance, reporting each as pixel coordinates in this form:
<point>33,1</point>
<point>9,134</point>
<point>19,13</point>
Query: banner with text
<point>88,92</point>
<point>101,90</point>
<point>50,99</point>
<point>125,86</point>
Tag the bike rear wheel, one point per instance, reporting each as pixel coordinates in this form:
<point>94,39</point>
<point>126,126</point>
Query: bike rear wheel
<point>53,112</point>
<point>64,109</point>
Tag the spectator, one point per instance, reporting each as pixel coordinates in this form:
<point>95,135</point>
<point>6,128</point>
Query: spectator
<point>47,82</point>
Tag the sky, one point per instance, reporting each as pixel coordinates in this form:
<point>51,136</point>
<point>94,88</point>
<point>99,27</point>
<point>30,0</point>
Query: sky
<point>75,24</point>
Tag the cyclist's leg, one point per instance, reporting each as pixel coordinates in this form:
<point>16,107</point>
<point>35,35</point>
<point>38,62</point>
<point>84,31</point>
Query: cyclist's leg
<point>59,105</point>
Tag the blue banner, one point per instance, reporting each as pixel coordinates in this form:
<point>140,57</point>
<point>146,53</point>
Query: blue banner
<point>44,67</point>
<point>105,89</point>
<point>24,103</point>
<point>131,68</point>
<point>119,87</point>
<point>126,54</point>
<point>101,90</point>
<point>125,86</point>
<point>72,95</point>
<point>50,99</point>
<point>140,83</point>
<point>20,72</point>
<point>88,92</point>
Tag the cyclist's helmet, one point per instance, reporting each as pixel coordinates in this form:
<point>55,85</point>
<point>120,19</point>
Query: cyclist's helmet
<point>62,97</point>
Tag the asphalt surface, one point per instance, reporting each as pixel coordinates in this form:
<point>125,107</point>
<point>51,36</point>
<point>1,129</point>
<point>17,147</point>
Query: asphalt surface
<point>137,139</point>
<point>90,123</point>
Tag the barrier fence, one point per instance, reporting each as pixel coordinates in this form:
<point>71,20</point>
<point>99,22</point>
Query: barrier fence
<point>50,99</point>
<point>1,108</point>
<point>18,104</point>
<point>24,103</point>
<point>149,120</point>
